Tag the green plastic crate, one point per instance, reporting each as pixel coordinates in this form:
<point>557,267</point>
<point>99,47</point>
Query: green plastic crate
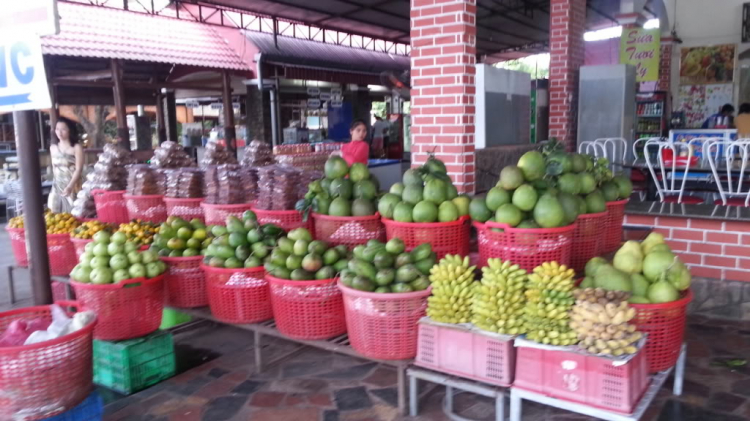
<point>134,364</point>
<point>171,318</point>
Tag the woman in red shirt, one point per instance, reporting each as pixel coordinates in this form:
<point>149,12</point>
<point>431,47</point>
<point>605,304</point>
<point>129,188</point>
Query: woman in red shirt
<point>357,150</point>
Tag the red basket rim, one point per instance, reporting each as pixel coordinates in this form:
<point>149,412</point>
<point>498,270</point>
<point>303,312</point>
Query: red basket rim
<point>346,218</point>
<point>236,270</point>
<point>9,229</point>
<point>60,236</point>
<point>231,206</point>
<point>81,240</point>
<point>682,302</point>
<point>103,192</point>
<point>145,196</point>
<point>393,296</point>
<point>183,199</point>
<point>558,230</point>
<point>13,349</point>
<point>180,259</point>
<point>592,215</point>
<point>275,212</point>
<point>275,280</point>
<point>462,220</point>
<point>617,202</point>
<point>118,285</point>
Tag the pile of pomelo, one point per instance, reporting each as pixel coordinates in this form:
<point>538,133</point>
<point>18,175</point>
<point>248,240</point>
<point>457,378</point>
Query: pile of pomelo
<point>180,238</point>
<point>344,191</point>
<point>389,268</point>
<point>426,194</point>
<point>300,258</point>
<point>241,242</point>
<point>110,258</point>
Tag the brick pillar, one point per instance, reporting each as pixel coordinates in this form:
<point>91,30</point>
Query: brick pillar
<point>665,65</point>
<point>443,56</point>
<point>567,25</point>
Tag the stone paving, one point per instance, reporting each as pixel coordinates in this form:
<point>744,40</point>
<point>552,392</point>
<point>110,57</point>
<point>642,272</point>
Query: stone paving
<point>322,386</point>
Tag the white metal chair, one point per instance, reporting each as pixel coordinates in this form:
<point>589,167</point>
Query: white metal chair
<point>592,148</point>
<point>730,156</point>
<point>615,148</point>
<point>669,171</point>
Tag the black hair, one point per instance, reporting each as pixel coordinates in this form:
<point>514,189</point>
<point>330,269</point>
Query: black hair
<point>72,130</point>
<point>727,108</point>
<point>745,108</point>
<point>356,123</point>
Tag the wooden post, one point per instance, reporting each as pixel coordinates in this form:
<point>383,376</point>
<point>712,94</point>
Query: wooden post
<point>161,129</point>
<point>123,134</point>
<point>54,112</point>
<point>230,136</point>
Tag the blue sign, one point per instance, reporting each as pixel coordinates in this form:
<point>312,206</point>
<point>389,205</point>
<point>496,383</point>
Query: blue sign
<point>23,81</point>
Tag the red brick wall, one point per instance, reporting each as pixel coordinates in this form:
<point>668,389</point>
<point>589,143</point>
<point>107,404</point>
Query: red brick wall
<point>567,25</point>
<point>712,249</point>
<point>443,56</point>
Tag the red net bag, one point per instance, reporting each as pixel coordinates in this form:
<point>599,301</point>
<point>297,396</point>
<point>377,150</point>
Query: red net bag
<point>526,247</point>
<point>79,244</point>
<point>149,208</point>
<point>665,325</point>
<point>185,282</point>
<point>348,230</point>
<point>125,310</point>
<point>286,220</point>
<point>445,237</point>
<point>62,254</point>
<point>238,295</point>
<point>307,309</point>
<point>217,214</point>
<point>110,206</point>
<point>613,225</point>
<point>18,245</point>
<point>45,379</point>
<point>384,326</point>
<point>186,209</point>
<point>587,239</point>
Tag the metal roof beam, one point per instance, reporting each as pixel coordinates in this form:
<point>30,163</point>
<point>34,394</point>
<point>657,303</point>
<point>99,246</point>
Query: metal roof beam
<point>502,14</point>
<point>361,7</point>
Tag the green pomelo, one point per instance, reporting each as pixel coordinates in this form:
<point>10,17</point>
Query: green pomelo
<point>336,167</point>
<point>397,189</point>
<point>579,163</point>
<point>451,192</point>
<point>511,177</point>
<point>613,279</point>
<point>363,207</point>
<point>412,194</point>
<point>610,191</point>
<point>359,172</point>
<point>656,263</point>
<point>569,183</point>
<point>425,212</point>
<point>412,178</point>
<point>588,183</point>
<point>496,197</point>
<point>565,161</point>
<point>532,165</point>
<point>548,212</point>
<point>525,197</point>
<point>624,185</point>
<point>570,205</point>
<point>435,191</point>
<point>340,207</point>
<point>640,284</point>
<point>403,212</point>
<point>662,292</point>
<point>595,202</point>
<point>447,212</point>
<point>387,204</point>
<point>365,189</point>
<point>341,187</point>
<point>593,265</point>
<point>462,204</point>
<point>478,210</point>
<point>508,214</point>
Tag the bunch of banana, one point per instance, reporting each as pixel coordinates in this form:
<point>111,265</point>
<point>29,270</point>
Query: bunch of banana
<point>452,290</point>
<point>549,299</point>
<point>499,298</point>
<point>600,318</point>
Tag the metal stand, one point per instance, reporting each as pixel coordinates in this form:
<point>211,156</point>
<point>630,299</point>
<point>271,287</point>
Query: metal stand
<point>450,382</point>
<point>657,381</point>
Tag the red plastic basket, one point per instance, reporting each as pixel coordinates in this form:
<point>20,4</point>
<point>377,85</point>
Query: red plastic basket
<point>445,237</point>
<point>307,309</point>
<point>186,209</point>
<point>348,230</point>
<point>79,244</point>
<point>62,254</point>
<point>665,326</point>
<point>613,225</point>
<point>467,352</point>
<point>383,326</point>
<point>217,214</point>
<point>587,239</point>
<point>185,282</point>
<point>238,295</point>
<point>526,247</point>
<point>44,379</point>
<point>287,220</point>
<point>149,208</point>
<point>581,377</point>
<point>18,244</point>
<point>110,206</point>
<point>125,310</point>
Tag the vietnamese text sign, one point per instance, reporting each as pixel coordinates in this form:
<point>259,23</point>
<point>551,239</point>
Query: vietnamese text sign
<point>640,47</point>
<point>23,81</point>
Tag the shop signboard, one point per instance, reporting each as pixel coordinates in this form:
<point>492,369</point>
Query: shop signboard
<point>640,47</point>
<point>313,103</point>
<point>313,91</point>
<point>708,65</point>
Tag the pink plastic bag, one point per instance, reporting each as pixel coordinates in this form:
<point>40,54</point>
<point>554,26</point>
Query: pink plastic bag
<point>20,330</point>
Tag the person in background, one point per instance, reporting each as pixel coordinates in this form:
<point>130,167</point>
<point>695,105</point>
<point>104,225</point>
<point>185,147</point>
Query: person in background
<point>357,150</point>
<point>742,121</point>
<point>67,164</point>
<point>379,133</point>
<point>726,111</point>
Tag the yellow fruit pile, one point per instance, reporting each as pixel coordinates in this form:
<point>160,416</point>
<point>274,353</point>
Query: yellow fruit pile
<point>60,223</point>
<point>452,290</point>
<point>499,298</point>
<point>139,232</point>
<point>600,318</point>
<point>549,300</point>
<point>87,230</point>
<point>16,222</point>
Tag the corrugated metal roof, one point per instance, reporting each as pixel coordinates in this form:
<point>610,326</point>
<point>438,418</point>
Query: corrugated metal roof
<point>314,54</point>
<point>88,31</point>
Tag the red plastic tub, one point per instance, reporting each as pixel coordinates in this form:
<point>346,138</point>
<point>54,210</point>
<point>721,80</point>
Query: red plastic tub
<point>45,379</point>
<point>587,239</point>
<point>18,244</point>
<point>238,295</point>
<point>110,206</point>
<point>286,220</point>
<point>613,225</point>
<point>665,326</point>
<point>149,208</point>
<point>445,237</point>
<point>307,309</point>
<point>526,247</point>
<point>62,254</point>
<point>185,282</point>
<point>348,230</point>
<point>125,310</point>
<point>217,214</point>
<point>383,326</point>
<point>79,244</point>
<point>186,209</point>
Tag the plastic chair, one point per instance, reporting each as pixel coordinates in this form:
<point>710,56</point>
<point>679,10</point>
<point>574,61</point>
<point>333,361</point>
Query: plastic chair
<point>637,176</point>
<point>669,191</point>
<point>730,162</point>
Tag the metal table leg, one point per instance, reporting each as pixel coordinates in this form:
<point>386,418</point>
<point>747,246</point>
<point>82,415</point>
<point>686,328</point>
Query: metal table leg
<point>515,406</point>
<point>413,400</point>
<point>679,371</point>
<point>258,357</point>
<point>11,286</point>
<point>449,398</point>
<point>401,370</point>
<point>500,408</point>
